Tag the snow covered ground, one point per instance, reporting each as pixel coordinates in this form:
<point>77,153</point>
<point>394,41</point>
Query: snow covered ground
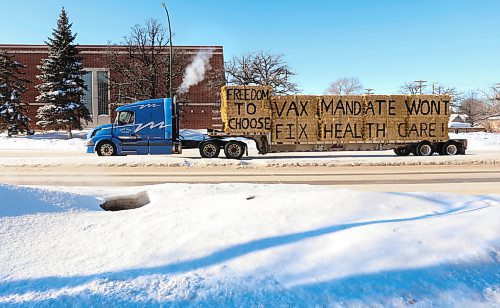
<point>52,149</point>
<point>48,141</point>
<point>480,141</point>
<point>57,141</point>
<point>249,245</point>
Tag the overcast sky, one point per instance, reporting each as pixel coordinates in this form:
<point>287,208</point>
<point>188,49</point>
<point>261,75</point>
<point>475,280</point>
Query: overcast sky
<point>383,43</point>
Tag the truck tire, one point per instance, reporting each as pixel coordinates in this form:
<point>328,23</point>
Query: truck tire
<point>402,151</point>
<point>209,149</point>
<point>450,148</point>
<point>423,148</point>
<point>106,148</point>
<point>234,149</point>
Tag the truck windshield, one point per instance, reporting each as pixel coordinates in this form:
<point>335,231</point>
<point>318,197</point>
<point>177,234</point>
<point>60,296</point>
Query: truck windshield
<point>125,117</point>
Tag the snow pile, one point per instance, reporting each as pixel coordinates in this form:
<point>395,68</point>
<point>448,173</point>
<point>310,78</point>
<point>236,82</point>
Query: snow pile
<point>46,141</point>
<point>254,245</point>
<point>17,201</point>
<point>480,141</point>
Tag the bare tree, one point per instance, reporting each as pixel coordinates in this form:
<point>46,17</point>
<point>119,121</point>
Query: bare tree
<point>240,70</point>
<point>411,88</point>
<point>140,65</point>
<point>261,68</point>
<point>345,86</point>
<point>474,107</point>
<point>441,89</point>
<point>492,96</point>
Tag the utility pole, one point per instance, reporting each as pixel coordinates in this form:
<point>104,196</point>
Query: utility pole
<point>175,106</point>
<point>433,84</point>
<point>420,84</point>
<point>369,91</point>
<point>170,93</point>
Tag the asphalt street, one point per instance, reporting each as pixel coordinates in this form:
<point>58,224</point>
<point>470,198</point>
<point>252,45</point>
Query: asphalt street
<point>457,179</point>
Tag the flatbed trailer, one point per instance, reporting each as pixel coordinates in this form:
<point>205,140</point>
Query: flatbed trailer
<point>306,123</point>
<point>235,148</point>
<point>300,123</point>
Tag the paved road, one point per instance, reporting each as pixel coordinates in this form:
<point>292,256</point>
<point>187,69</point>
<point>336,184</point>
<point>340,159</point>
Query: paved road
<point>459,179</point>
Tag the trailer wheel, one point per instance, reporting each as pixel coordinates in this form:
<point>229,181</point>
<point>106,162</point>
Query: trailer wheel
<point>402,151</point>
<point>106,148</point>
<point>450,148</point>
<point>209,149</point>
<point>234,149</point>
<point>423,148</point>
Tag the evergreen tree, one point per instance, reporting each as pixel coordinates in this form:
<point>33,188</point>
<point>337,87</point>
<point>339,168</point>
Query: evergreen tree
<point>62,85</point>
<point>13,113</point>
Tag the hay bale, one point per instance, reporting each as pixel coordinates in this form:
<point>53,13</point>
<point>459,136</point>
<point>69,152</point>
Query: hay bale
<point>246,109</point>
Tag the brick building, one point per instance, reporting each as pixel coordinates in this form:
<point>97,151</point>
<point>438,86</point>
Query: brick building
<point>200,108</point>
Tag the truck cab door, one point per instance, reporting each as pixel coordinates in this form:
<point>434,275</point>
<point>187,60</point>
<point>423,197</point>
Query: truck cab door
<point>131,142</point>
<point>159,132</point>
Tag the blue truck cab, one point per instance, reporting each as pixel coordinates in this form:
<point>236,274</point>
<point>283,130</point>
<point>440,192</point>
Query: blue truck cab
<point>141,128</point>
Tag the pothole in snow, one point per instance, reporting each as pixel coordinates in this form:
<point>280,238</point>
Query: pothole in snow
<point>126,202</point>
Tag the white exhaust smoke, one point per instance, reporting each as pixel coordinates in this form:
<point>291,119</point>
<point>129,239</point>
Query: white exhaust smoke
<point>195,72</point>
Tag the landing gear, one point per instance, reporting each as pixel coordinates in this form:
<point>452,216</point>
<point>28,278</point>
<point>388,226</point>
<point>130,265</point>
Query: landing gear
<point>402,151</point>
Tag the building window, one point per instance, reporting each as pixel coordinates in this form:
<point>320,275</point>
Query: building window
<point>96,96</point>
<point>87,93</point>
<point>102,92</point>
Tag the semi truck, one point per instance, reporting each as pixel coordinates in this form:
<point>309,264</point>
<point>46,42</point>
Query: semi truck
<point>407,124</point>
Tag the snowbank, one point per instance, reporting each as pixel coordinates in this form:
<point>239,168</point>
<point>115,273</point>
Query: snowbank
<point>17,200</point>
<point>250,245</point>
<point>480,141</point>
<point>47,141</point>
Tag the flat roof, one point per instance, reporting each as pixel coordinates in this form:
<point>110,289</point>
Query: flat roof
<point>43,46</point>
<point>100,49</point>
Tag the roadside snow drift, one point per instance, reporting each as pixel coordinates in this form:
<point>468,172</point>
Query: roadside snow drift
<point>249,245</point>
<point>48,141</point>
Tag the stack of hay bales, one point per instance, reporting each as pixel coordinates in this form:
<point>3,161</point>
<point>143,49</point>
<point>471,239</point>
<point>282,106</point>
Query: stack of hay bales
<point>334,119</point>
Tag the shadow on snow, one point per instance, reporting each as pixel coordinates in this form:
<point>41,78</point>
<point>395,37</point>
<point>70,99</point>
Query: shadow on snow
<point>432,278</point>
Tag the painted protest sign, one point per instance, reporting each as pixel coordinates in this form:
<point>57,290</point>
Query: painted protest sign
<point>335,119</point>
<point>246,110</point>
